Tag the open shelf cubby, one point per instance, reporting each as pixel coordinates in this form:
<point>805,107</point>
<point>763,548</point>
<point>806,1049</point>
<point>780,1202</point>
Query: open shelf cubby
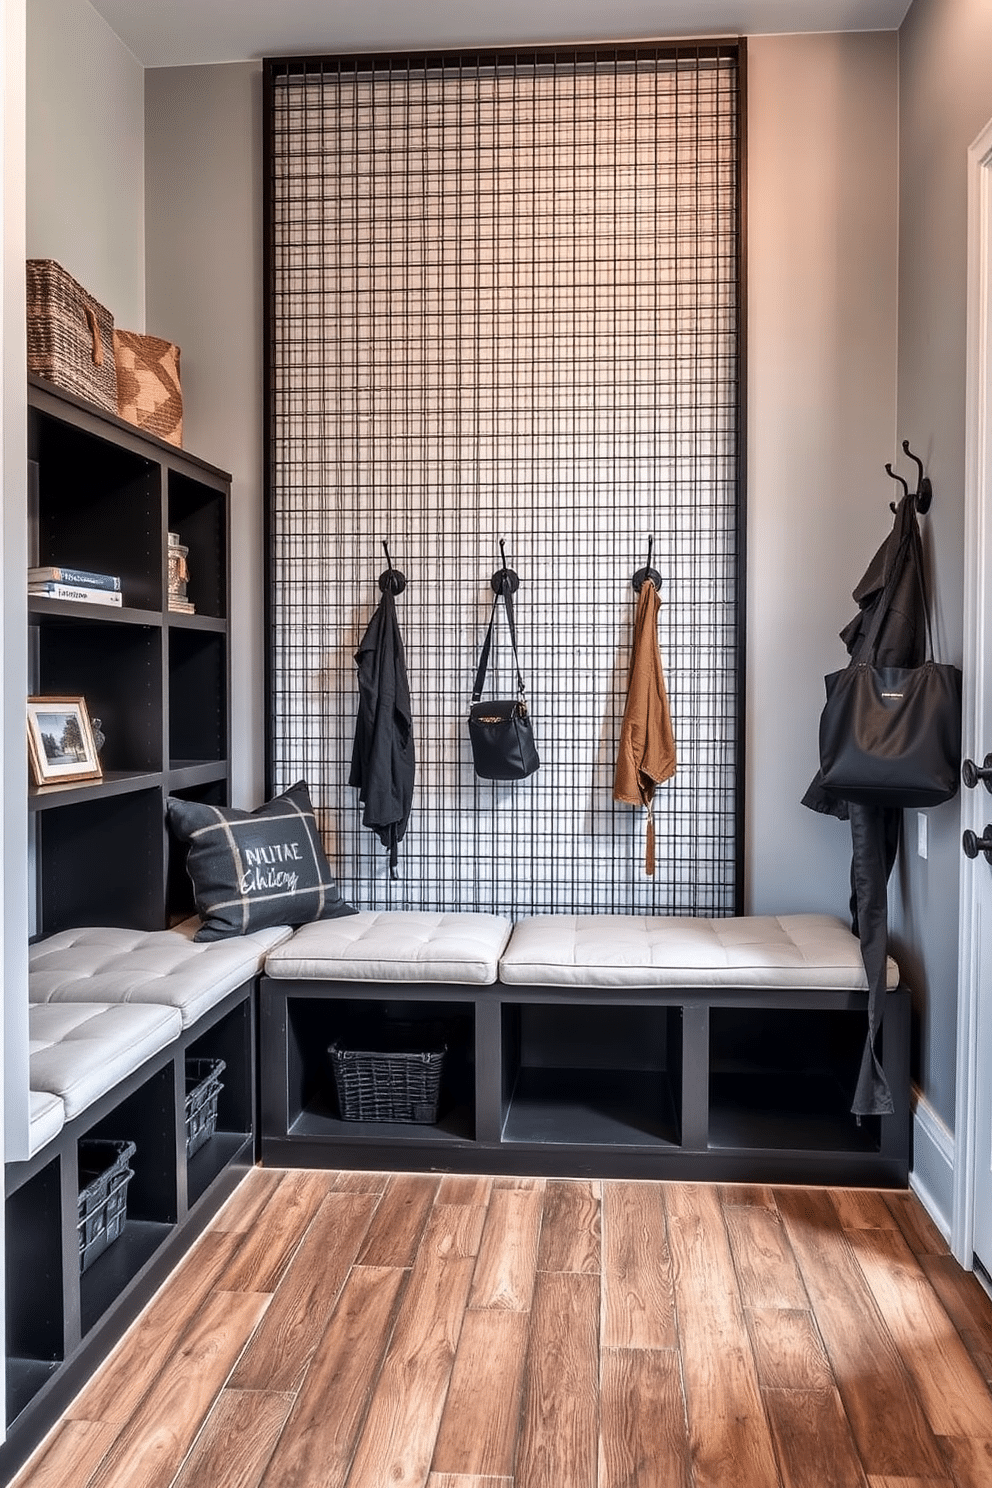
<point>379,1024</point>
<point>592,1076</point>
<point>785,1079</point>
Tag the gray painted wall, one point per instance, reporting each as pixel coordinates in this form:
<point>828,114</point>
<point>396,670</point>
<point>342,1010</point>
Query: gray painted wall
<point>203,221</point>
<point>945,60</point>
<point>821,233</point>
<point>85,154</point>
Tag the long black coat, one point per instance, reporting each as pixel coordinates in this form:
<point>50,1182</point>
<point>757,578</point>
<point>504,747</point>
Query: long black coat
<point>875,830</point>
<point>383,759</point>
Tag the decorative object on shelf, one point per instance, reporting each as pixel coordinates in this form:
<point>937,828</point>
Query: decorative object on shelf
<point>251,869</point>
<point>60,740</point>
<point>500,730</point>
<point>99,737</point>
<point>70,335</point>
<point>179,576</point>
<point>148,389</point>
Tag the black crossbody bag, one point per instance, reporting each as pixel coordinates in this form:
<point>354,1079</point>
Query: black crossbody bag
<point>502,738</point>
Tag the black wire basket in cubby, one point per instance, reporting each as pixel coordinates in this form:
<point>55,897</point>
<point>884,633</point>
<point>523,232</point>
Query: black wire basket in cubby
<point>104,1174</point>
<point>203,1088</point>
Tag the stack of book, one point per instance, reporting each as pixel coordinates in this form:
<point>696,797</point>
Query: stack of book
<point>79,584</point>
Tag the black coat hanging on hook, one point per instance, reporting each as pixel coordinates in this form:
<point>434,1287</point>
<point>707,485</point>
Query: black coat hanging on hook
<point>891,626</point>
<point>383,760</point>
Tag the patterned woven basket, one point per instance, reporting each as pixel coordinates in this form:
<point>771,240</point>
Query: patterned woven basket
<point>70,335</point>
<point>148,390</point>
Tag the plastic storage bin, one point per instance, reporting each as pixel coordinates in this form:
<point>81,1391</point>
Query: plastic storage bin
<point>104,1175</point>
<point>203,1088</point>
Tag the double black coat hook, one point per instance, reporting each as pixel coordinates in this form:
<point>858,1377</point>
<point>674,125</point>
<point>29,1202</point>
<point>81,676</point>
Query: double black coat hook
<point>392,580</point>
<point>923,495</point>
<point>647,572</point>
<point>905,487</point>
<point>924,486</point>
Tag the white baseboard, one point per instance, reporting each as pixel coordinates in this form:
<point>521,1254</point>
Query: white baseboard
<point>932,1175</point>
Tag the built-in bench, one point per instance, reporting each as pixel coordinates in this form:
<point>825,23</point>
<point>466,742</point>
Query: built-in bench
<point>143,1038</point>
<point>612,1044</point>
<point>633,1043</point>
<point>103,1001</point>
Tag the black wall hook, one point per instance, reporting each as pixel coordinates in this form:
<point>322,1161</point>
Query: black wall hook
<point>504,580</point>
<point>392,580</point>
<point>905,487</point>
<point>647,572</point>
<point>924,486</point>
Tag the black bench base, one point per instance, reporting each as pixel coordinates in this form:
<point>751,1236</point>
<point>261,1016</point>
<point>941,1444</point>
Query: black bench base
<point>728,1084</point>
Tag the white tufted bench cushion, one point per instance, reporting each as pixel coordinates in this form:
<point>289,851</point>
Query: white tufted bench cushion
<point>164,967</point>
<point>394,946</point>
<point>79,1052</point>
<point>799,951</point>
<point>46,1119</point>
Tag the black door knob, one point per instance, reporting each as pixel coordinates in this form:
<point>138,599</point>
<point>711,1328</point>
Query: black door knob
<point>974,845</point>
<point>971,773</point>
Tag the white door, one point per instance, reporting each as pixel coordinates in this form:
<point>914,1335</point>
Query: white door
<point>972,1226</point>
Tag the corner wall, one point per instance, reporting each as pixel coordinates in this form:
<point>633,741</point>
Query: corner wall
<point>203,218</point>
<point>85,133</point>
<point>822,291</point>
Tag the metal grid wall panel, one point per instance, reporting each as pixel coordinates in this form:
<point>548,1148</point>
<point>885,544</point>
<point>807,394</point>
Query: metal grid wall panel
<point>505,303</point>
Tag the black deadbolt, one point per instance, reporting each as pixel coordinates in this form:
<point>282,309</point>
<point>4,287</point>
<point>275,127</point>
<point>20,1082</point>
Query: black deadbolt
<point>974,845</point>
<point>971,773</point>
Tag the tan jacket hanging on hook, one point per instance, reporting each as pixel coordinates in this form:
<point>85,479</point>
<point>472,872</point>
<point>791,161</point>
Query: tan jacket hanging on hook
<point>646,754</point>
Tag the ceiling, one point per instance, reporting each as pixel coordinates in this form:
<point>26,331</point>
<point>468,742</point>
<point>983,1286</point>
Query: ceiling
<point>171,33</point>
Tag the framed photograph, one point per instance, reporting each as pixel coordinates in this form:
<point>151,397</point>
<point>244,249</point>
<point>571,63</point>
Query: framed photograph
<point>60,741</point>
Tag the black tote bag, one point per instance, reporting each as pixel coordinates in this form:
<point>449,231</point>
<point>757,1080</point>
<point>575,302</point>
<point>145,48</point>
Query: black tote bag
<point>891,736</point>
<point>500,730</point>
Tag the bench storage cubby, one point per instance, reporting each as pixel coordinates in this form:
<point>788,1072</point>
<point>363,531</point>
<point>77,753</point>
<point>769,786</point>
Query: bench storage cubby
<point>122,1022</point>
<point>640,1046</point>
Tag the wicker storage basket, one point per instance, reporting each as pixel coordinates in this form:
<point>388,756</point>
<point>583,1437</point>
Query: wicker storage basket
<point>148,390</point>
<point>398,1085</point>
<point>70,335</point>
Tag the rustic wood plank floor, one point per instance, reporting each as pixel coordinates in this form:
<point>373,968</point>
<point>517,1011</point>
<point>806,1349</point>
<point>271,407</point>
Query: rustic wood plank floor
<point>355,1330</point>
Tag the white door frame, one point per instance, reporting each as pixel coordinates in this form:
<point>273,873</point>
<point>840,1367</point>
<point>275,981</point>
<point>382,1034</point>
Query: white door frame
<point>975,804</point>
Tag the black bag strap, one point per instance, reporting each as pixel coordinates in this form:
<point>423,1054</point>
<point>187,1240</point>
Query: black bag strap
<point>480,676</point>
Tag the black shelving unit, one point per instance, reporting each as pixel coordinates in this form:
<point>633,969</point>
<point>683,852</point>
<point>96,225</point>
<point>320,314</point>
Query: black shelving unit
<point>705,1084</point>
<point>104,497</point>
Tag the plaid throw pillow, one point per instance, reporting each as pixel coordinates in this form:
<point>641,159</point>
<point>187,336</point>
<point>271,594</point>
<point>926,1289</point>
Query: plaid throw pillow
<point>251,869</point>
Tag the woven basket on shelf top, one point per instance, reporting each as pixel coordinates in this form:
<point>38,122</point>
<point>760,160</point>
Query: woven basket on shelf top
<point>70,335</point>
<point>148,389</point>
